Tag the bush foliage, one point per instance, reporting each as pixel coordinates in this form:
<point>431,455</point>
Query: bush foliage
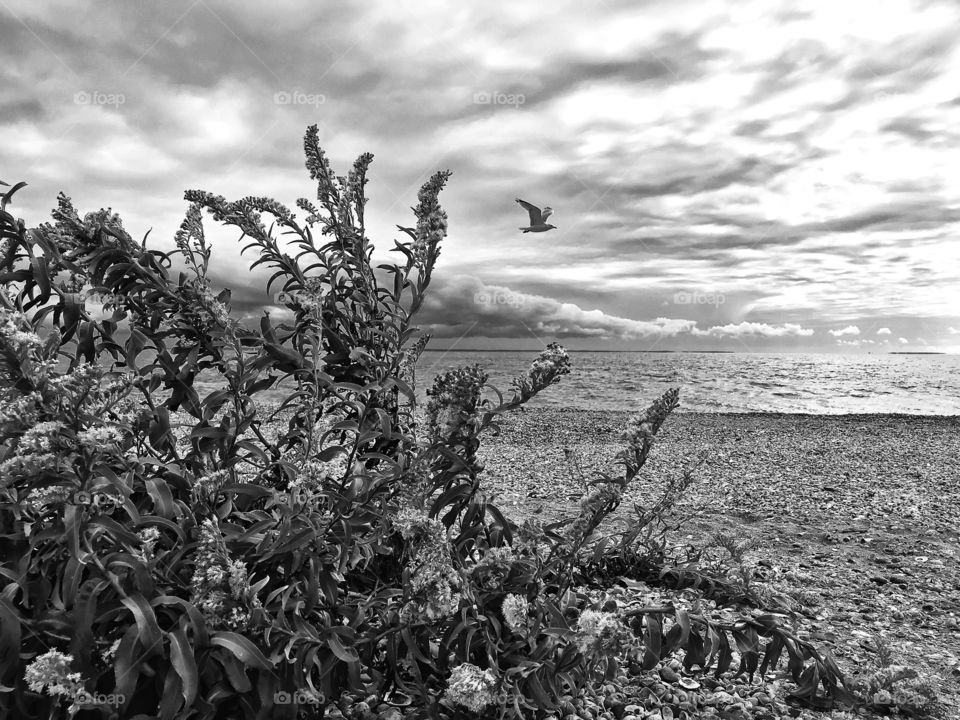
<point>269,562</point>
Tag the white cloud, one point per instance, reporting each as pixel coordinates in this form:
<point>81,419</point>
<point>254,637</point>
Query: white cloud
<point>883,331</point>
<point>953,331</point>
<point>848,330</point>
<point>903,341</point>
<point>755,329</point>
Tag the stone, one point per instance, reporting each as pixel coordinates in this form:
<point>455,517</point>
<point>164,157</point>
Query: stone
<point>669,674</point>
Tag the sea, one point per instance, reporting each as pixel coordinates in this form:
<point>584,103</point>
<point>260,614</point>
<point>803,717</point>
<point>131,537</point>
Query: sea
<point>827,384</point>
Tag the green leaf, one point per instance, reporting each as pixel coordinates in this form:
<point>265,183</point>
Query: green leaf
<point>162,498</point>
<point>147,627</point>
<point>9,638</point>
<point>347,654</point>
<point>652,636</point>
<point>695,651</point>
<point>245,651</point>
<point>725,657</point>
<point>170,699</point>
<point>184,662</point>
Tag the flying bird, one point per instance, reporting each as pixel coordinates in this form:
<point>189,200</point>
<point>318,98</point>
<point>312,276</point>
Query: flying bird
<point>538,217</point>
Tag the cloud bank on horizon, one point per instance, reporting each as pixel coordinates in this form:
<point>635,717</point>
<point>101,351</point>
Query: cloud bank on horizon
<point>732,175</point>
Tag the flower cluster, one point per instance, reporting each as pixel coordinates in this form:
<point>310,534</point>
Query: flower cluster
<point>96,437</point>
<point>453,400</point>
<point>594,504</point>
<point>471,687</point>
<point>25,362</point>
<point>192,229</point>
<point>207,487</point>
<point>356,179</point>
<point>410,357</point>
<point>50,672</point>
<point>601,632</point>
<point>40,499</point>
<point>148,541</point>
<point>101,220</point>
<point>640,436</point>
<point>38,443</point>
<point>313,294</point>
<point>434,582</point>
<point>492,569</point>
<point>41,437</point>
<point>220,587</point>
<point>431,222</point>
<point>216,310</point>
<point>12,334</point>
<point>516,613</point>
<point>547,369</point>
<point>318,165</point>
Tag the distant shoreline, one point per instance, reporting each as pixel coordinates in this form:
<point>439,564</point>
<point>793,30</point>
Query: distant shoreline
<point>685,352</point>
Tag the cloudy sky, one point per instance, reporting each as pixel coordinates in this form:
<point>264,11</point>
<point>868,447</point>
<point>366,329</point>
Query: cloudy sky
<point>751,176</point>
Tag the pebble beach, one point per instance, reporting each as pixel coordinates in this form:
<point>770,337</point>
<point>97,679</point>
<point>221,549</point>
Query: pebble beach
<point>861,512</point>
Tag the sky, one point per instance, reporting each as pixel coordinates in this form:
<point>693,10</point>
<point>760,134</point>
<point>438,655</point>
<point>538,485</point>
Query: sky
<point>746,176</point>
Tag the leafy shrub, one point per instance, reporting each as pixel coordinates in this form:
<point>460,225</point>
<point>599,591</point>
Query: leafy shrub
<point>271,563</point>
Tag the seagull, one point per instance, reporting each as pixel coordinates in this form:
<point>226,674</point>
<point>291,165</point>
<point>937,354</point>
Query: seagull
<point>537,217</point>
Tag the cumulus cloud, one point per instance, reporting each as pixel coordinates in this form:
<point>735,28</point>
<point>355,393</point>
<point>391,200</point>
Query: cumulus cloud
<point>752,329</point>
<point>903,341</point>
<point>849,330</point>
<point>883,331</point>
<point>464,306</point>
<point>953,331</point>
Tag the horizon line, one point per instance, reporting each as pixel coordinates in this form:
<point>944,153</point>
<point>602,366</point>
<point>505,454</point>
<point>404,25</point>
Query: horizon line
<point>711,352</point>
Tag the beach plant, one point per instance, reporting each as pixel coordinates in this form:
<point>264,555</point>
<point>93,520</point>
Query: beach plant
<point>896,688</point>
<point>167,554</point>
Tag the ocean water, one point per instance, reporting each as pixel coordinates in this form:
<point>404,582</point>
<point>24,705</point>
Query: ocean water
<point>732,382</point>
<point>717,382</point>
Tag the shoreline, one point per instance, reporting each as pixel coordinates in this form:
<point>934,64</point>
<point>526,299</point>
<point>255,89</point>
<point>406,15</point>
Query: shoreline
<point>772,414</point>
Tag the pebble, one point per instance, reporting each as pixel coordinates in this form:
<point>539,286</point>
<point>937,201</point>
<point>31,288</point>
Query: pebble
<point>669,674</point>
<point>723,697</point>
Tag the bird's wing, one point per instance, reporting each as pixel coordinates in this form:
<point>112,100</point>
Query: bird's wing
<point>547,212</point>
<point>534,211</point>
